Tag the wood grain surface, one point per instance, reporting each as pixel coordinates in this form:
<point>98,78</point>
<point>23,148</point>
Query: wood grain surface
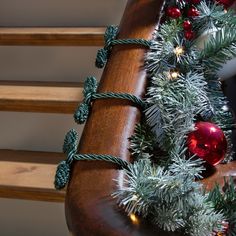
<point>52,36</point>
<point>52,97</point>
<point>29,175</point>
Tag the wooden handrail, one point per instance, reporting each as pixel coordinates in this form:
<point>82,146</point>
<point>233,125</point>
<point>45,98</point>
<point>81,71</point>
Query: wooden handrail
<point>90,209</point>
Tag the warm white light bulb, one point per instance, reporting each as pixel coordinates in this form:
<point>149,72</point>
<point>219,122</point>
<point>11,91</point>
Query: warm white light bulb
<point>134,219</point>
<point>174,74</point>
<point>178,51</point>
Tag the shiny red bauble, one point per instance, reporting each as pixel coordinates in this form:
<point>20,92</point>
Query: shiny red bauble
<point>187,25</point>
<point>189,35</point>
<point>193,12</point>
<point>226,3</point>
<point>173,12</point>
<point>207,142</point>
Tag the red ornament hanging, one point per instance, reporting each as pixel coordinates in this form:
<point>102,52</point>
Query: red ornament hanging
<point>173,12</point>
<point>189,35</point>
<point>226,3</point>
<point>207,142</point>
<point>192,12</point>
<point>187,25</point>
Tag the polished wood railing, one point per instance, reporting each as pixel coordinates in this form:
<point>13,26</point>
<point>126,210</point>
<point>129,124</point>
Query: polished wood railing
<point>90,209</point>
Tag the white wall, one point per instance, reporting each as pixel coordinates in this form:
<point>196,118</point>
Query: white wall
<point>35,131</point>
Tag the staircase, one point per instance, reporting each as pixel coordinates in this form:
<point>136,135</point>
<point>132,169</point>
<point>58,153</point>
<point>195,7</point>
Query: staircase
<point>27,174</point>
<point>49,28</point>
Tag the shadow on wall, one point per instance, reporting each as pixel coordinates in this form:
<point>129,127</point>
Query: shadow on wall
<point>230,91</point>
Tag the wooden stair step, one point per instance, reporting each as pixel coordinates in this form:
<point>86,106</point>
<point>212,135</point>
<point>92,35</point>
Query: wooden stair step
<point>52,36</point>
<point>29,175</point>
<point>52,97</point>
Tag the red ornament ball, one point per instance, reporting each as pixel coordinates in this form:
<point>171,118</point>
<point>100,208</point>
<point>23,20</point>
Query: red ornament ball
<point>189,34</point>
<point>226,3</point>
<point>173,12</point>
<point>187,25</point>
<point>193,12</point>
<point>207,142</point>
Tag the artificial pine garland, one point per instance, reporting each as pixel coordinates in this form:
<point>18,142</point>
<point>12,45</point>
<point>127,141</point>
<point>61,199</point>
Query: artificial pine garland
<point>184,88</point>
<point>184,94</point>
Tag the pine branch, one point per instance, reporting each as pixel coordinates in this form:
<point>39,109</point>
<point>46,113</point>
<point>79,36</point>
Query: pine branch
<point>225,201</point>
<point>142,142</point>
<point>174,105</point>
<point>212,16</point>
<point>162,57</point>
<point>203,218</point>
<point>219,48</point>
<point>171,197</point>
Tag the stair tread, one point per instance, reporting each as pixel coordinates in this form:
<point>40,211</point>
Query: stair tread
<point>52,97</point>
<point>29,175</point>
<point>58,36</point>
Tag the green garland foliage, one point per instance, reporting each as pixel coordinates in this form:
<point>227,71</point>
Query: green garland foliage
<point>219,48</point>
<point>166,191</point>
<point>142,143</point>
<point>174,104</point>
<point>225,201</point>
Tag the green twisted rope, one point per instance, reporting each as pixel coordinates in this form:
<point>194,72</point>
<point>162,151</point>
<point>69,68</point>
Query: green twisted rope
<point>110,41</point>
<point>90,93</point>
<point>95,157</point>
<point>126,96</point>
<point>70,149</point>
<point>143,42</point>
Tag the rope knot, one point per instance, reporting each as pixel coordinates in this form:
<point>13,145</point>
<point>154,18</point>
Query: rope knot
<point>82,112</point>
<point>70,149</point>
<point>62,175</point>
<point>101,59</point>
<point>103,54</point>
<point>110,35</point>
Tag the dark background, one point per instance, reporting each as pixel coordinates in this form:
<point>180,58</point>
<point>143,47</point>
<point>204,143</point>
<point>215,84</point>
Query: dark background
<point>230,91</point>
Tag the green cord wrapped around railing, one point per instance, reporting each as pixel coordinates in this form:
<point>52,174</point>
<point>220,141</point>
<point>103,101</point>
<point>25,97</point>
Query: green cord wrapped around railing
<point>90,93</point>
<point>82,112</point>
<point>110,41</point>
<point>70,149</point>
